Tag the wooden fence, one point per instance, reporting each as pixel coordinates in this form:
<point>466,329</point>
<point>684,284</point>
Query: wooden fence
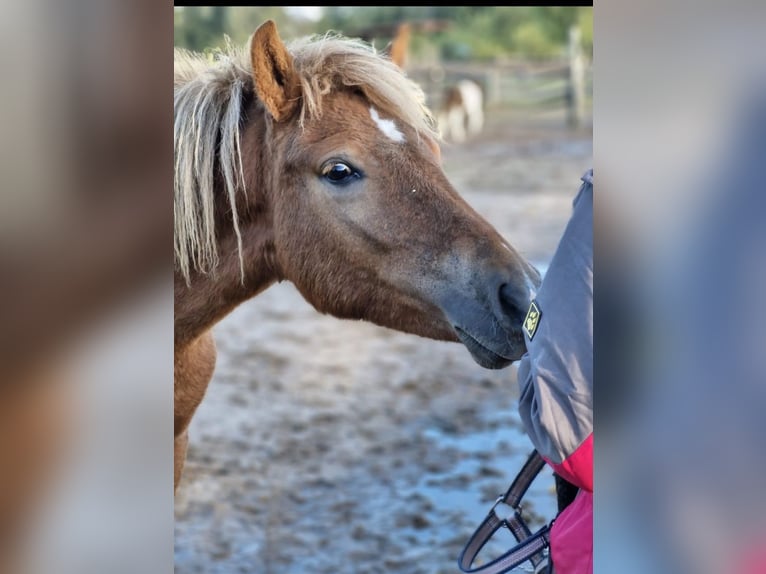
<point>566,83</point>
<point>517,84</point>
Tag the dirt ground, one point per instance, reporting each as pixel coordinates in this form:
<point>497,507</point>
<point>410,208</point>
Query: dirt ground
<point>330,446</point>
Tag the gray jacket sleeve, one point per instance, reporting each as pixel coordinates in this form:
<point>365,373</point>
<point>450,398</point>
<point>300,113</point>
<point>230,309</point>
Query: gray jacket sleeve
<point>555,376</point>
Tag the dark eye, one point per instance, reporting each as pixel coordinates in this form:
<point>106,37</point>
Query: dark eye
<point>339,173</point>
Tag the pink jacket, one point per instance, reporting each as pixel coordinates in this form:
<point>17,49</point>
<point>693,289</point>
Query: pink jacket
<point>572,532</point>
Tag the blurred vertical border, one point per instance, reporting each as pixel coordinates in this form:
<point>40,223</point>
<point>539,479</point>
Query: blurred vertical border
<point>679,147</point>
<point>86,302</point>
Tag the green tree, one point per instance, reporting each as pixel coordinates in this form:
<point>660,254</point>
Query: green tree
<point>200,27</point>
<point>462,32</point>
<point>205,27</point>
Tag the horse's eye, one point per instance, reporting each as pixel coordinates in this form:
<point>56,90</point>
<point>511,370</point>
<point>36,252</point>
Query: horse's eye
<point>340,173</point>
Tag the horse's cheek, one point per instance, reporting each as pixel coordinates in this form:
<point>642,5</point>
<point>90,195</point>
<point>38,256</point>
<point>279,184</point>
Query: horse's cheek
<point>299,252</point>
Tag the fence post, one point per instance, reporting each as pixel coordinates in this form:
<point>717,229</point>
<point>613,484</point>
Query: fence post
<point>494,79</point>
<point>576,84</point>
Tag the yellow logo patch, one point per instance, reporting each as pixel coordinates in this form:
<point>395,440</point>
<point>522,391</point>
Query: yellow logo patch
<point>532,320</point>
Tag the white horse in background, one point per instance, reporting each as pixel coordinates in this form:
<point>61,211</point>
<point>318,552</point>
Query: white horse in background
<point>462,112</point>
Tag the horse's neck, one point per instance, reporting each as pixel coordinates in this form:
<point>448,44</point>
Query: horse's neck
<point>210,297</point>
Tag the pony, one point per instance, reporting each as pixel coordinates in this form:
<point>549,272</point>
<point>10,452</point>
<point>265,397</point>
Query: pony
<point>461,114</point>
<point>318,162</point>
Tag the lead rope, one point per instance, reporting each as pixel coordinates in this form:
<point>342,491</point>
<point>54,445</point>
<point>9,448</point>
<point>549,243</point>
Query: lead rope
<point>530,546</point>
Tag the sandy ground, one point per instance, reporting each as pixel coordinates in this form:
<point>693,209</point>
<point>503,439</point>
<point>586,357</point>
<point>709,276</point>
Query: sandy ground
<point>329,446</point>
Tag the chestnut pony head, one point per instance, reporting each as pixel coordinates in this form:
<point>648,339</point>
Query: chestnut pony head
<point>323,153</point>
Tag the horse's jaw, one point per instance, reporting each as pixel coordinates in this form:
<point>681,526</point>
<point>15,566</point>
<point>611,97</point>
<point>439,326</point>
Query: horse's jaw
<point>482,355</point>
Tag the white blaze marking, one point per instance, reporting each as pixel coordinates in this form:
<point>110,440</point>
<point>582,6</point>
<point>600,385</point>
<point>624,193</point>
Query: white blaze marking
<point>388,127</point>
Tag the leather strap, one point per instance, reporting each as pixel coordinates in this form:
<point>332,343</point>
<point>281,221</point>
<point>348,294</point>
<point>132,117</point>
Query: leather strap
<point>530,546</point>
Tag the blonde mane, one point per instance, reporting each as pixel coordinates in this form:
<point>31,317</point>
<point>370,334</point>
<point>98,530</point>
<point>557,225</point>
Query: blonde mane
<point>208,96</point>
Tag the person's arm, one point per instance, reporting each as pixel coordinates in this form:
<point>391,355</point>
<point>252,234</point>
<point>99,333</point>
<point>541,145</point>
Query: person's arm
<point>555,376</point>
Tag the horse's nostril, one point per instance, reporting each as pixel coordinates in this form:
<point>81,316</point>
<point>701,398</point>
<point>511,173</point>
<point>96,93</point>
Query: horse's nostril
<point>513,304</point>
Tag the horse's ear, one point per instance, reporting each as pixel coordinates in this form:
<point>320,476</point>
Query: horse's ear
<point>274,76</point>
<point>398,47</point>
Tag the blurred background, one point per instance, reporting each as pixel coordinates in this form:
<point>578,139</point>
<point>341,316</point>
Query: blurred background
<point>337,446</point>
<point>535,57</point>
<point>449,33</point>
